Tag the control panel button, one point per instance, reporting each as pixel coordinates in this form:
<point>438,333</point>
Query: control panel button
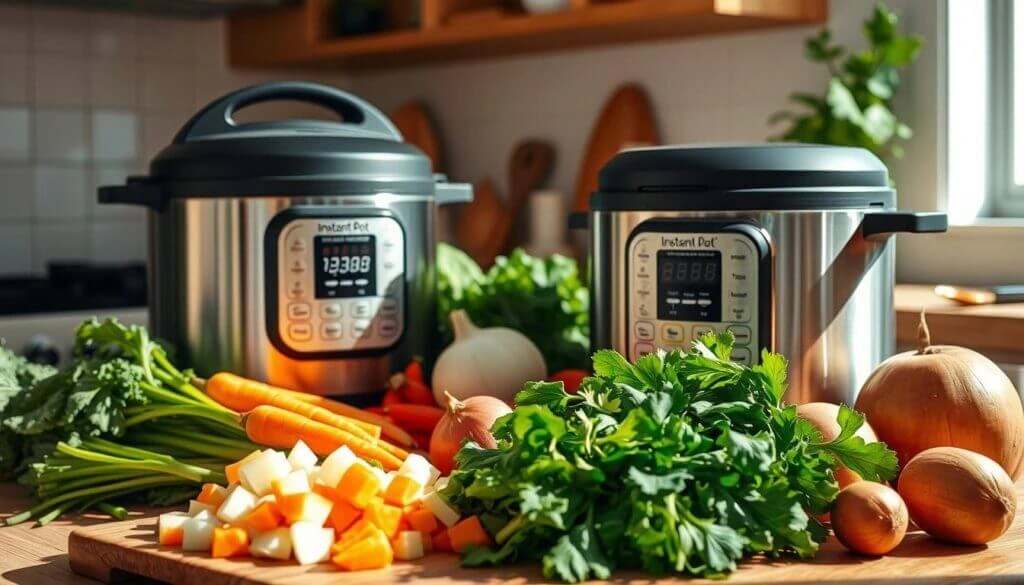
<point>300,331</point>
<point>741,355</point>
<point>389,306</point>
<point>359,327</point>
<point>297,245</point>
<point>296,290</point>
<point>331,331</point>
<point>644,310</point>
<point>299,311</point>
<point>673,333</point>
<point>297,267</point>
<point>739,312</point>
<point>644,348</point>
<point>388,327</point>
<point>741,333</point>
<point>361,309</point>
<point>332,310</point>
<point>701,330</point>
<point>644,330</point>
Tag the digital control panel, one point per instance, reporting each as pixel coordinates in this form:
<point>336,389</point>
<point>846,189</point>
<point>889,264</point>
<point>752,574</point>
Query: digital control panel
<point>340,284</point>
<point>684,284</point>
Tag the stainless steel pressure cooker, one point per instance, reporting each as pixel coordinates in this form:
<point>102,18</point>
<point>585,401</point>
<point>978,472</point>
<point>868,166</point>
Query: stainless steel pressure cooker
<point>300,252</point>
<point>789,247</point>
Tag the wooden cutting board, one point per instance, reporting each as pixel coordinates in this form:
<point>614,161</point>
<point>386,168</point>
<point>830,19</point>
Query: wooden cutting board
<point>108,552</point>
<point>626,120</point>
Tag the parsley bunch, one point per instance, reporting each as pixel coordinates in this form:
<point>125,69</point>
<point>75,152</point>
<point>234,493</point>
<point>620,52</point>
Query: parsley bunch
<point>678,463</point>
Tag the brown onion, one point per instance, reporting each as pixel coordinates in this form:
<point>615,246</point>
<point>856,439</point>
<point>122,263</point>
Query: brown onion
<point>943,395</point>
<point>472,419</point>
<point>869,518</point>
<point>958,496</point>
<point>823,416</point>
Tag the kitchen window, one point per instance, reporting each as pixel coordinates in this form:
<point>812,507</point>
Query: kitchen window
<point>985,109</point>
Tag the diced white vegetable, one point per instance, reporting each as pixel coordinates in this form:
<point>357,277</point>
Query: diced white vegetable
<point>239,502</point>
<point>441,509</point>
<point>301,456</point>
<point>311,542</point>
<point>335,466</point>
<point>266,498</point>
<point>440,483</point>
<point>195,507</point>
<point>258,474</point>
<point>272,544</point>
<point>169,523</point>
<point>408,545</point>
<point>198,532</point>
<point>313,475</point>
<point>296,482</point>
<point>417,468</point>
<point>317,510</point>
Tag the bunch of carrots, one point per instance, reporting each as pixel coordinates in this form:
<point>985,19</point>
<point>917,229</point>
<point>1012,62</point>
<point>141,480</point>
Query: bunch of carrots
<point>410,404</point>
<point>276,417</point>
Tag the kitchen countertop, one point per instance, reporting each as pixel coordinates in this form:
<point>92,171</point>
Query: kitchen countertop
<point>32,555</point>
<point>995,330</point>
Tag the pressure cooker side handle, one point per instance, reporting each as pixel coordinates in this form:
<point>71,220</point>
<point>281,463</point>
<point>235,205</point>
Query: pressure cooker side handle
<point>883,224</point>
<point>217,117</point>
<point>135,192</point>
<point>446,193</point>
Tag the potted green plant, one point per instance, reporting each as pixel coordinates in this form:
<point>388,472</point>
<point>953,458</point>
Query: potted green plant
<point>856,109</point>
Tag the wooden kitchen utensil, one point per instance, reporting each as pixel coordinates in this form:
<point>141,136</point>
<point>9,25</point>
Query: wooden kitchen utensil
<point>417,126</point>
<point>626,120</point>
<point>485,225</point>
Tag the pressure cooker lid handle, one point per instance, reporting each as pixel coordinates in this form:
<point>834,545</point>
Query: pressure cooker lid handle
<point>217,118</point>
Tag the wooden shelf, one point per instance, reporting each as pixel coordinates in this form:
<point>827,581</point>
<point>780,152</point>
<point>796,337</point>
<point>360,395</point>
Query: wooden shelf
<point>296,35</point>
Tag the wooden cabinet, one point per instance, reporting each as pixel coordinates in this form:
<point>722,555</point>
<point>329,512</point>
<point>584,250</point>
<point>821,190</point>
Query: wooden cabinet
<point>450,30</point>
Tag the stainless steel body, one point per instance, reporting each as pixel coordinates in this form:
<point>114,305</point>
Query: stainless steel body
<point>208,277</point>
<point>831,292</point>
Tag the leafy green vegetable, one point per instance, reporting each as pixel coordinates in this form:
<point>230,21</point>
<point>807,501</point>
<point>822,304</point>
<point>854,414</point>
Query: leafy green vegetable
<point>119,422</point>
<point>856,109</point>
<point>543,298</point>
<point>678,463</point>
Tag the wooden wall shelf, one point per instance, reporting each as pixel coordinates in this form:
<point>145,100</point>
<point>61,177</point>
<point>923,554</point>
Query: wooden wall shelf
<point>298,35</point>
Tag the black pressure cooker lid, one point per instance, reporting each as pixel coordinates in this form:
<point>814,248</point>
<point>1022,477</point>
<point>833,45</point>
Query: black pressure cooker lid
<point>213,156</point>
<point>743,177</point>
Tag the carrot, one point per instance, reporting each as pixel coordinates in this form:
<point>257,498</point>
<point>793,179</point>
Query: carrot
<point>372,552</point>
<point>422,520</point>
<point>391,398</point>
<point>344,515</point>
<point>441,541</point>
<point>466,532</point>
<point>229,542</point>
<point>383,516</point>
<point>211,494</point>
<point>264,517</point>
<point>417,418</point>
<point>388,429</point>
<point>402,491</point>
<point>358,486</point>
<point>377,410</point>
<point>276,427</point>
<point>417,393</point>
<point>243,394</point>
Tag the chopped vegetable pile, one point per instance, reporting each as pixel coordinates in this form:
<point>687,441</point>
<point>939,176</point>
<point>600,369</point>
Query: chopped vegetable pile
<point>543,298</point>
<point>343,510</point>
<point>679,463</point>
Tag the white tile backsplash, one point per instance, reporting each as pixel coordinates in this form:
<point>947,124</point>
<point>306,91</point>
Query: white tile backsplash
<point>59,241</point>
<point>59,31</point>
<point>167,87</point>
<point>115,136</point>
<point>14,67</point>
<point>112,82</point>
<point>60,135</point>
<point>14,27</point>
<point>15,140</point>
<point>17,192</point>
<point>166,40</point>
<point>117,241</point>
<point>15,248</point>
<point>60,192</point>
<point>158,130</point>
<point>60,80</point>
<point>112,35</point>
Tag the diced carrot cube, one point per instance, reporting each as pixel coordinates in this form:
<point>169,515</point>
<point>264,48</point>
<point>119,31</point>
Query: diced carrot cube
<point>373,552</point>
<point>466,532</point>
<point>231,541</point>
<point>422,520</point>
<point>441,542</point>
<point>402,491</point>
<point>263,517</point>
<point>325,491</point>
<point>172,536</point>
<point>355,533</point>
<point>383,516</point>
<point>211,494</point>
<point>231,470</point>
<point>344,515</point>
<point>305,506</point>
<point>358,485</point>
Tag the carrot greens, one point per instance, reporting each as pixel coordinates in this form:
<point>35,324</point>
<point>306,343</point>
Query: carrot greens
<point>119,423</point>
